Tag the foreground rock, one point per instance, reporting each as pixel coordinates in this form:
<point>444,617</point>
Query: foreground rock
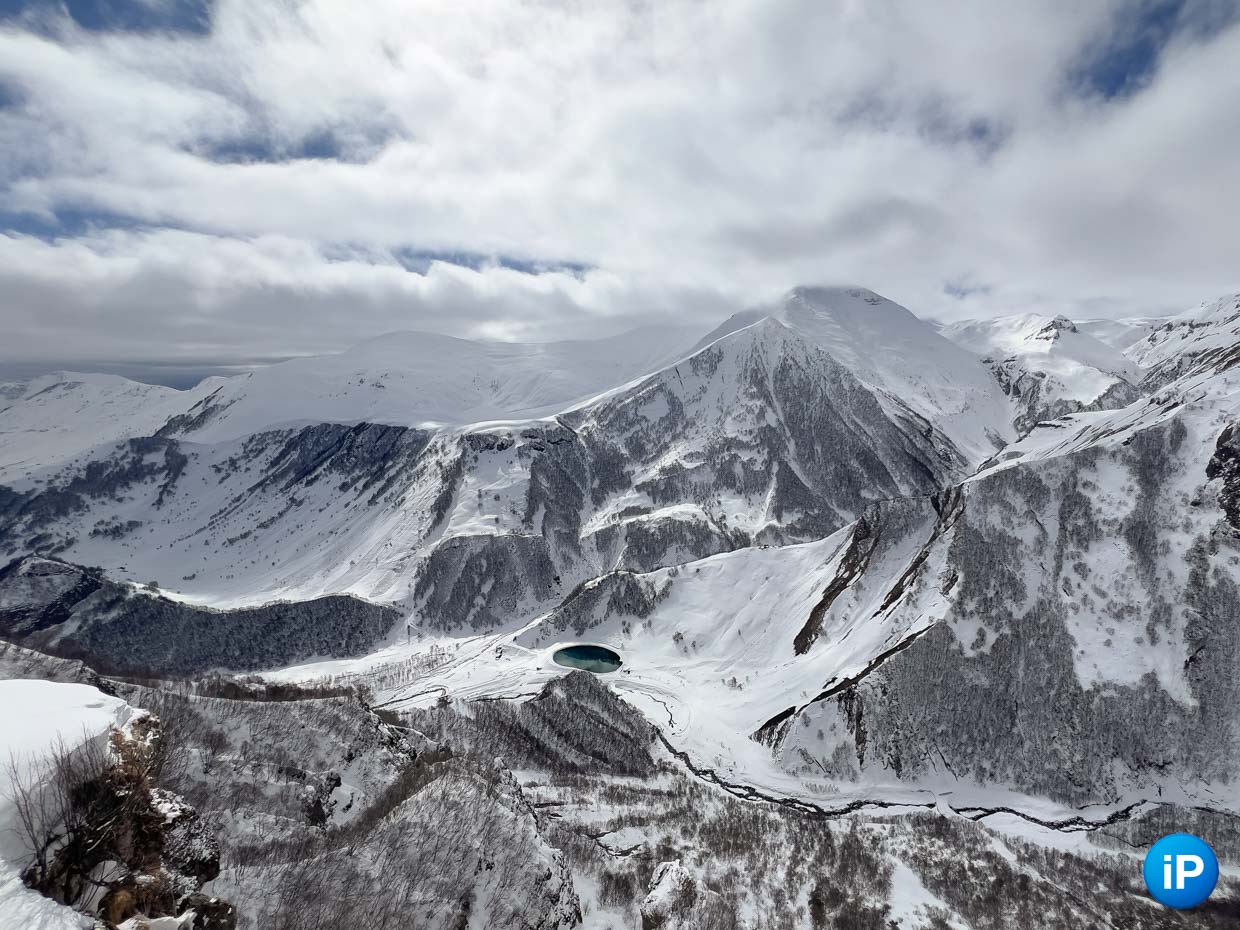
<point>86,828</point>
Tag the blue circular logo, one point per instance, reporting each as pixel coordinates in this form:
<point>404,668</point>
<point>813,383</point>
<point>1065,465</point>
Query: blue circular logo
<point>1181,870</point>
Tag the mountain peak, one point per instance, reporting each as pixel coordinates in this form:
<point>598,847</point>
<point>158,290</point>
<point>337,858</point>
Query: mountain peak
<point>1057,325</point>
<point>822,294</point>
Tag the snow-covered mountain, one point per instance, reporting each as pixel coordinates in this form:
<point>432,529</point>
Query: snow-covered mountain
<point>899,356</point>
<point>46,420</point>
<point>937,645</point>
<point>760,436</point>
<point>1121,333</point>
<point>1056,342</point>
<point>849,563</point>
<point>427,380</point>
<point>401,379</point>
<point>1206,338</point>
<point>1048,366</point>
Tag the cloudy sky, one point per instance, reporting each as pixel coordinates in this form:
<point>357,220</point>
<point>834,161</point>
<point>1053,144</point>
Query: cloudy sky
<point>211,182</point>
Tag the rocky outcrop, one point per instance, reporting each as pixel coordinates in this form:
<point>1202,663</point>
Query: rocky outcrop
<point>1037,397</point>
<point>210,913</point>
<point>117,846</point>
<point>1224,467</point>
<point>678,900</point>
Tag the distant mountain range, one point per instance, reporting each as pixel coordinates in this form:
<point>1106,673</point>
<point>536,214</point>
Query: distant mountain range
<point>833,543</point>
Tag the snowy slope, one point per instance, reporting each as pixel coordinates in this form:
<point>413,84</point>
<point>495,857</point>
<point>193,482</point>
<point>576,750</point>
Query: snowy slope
<point>400,379</point>
<point>1120,334</point>
<point>772,427</point>
<point>778,531</point>
<point>708,648</point>
<point>910,655</point>
<point>68,713</point>
<point>899,355</point>
<point>1047,365</point>
<point>1202,339</point>
<point>423,379</point>
<point>1056,344</point>
<point>762,436</point>
<point>48,419</point>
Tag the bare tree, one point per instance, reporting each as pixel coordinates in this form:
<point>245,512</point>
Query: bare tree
<point>82,805</point>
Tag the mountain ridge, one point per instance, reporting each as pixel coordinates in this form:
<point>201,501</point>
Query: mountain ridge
<point>769,530</point>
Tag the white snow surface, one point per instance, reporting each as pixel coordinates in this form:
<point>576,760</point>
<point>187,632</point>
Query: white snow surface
<point>1055,340</point>
<point>902,356</point>
<point>48,419</point>
<point>1120,334</point>
<point>715,658</point>
<point>1079,366</point>
<point>36,717</point>
<point>709,666</point>
<point>1211,327</point>
<point>429,380</point>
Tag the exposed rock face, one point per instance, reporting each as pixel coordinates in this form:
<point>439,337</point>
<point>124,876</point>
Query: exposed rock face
<point>1036,402</point>
<point>189,845</point>
<point>673,892</point>
<point>875,566</point>
<point>1072,580</point>
<point>211,913</point>
<point>1224,467</point>
<point>123,847</point>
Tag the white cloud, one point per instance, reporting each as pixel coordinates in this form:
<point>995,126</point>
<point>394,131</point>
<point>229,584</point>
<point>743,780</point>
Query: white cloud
<point>698,155</point>
<point>175,295</point>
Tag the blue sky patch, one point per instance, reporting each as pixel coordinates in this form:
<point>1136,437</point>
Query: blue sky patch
<point>960,289</point>
<point>68,222</point>
<point>419,260</point>
<point>181,16</point>
<point>262,149</point>
<point>1124,61</point>
<point>345,143</point>
<point>10,95</point>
